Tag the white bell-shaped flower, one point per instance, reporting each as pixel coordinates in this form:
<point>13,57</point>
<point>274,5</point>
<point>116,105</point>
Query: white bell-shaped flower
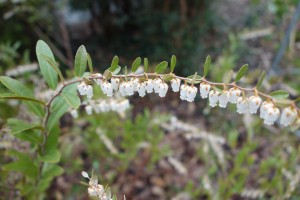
<point>129,89</point>
<point>149,85</point>
<point>175,84</point>
<point>242,105</point>
<point>108,89</point>
<point>115,83</point>
<point>234,94</point>
<point>156,84</point>
<point>264,108</point>
<point>141,89</point>
<point>213,98</point>
<point>122,88</point>
<point>88,109</point>
<point>74,113</point>
<point>204,90</point>
<point>191,93</point>
<point>89,91</point>
<point>288,116</point>
<point>253,104</point>
<point>183,92</point>
<point>82,88</point>
<point>99,79</point>
<point>271,115</point>
<point>223,99</point>
<point>135,82</point>
<point>163,89</point>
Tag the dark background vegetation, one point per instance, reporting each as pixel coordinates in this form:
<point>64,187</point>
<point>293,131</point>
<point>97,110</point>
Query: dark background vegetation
<point>256,158</point>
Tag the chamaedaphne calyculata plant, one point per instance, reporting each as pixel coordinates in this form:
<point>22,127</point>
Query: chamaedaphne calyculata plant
<point>40,167</point>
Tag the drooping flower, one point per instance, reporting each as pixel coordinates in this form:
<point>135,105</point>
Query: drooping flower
<point>253,104</point>
<point>242,105</point>
<point>213,98</point>
<point>115,83</point>
<point>89,91</point>
<point>288,116</point>
<point>149,85</point>
<point>223,99</point>
<point>74,113</point>
<point>191,93</point>
<point>183,92</point>
<point>107,89</point>
<point>175,84</point>
<point>156,84</point>
<point>98,80</point>
<point>264,108</point>
<point>141,89</point>
<point>135,82</point>
<point>234,94</point>
<point>204,90</point>
<point>271,115</point>
<point>82,88</point>
<point>88,109</point>
<point>163,89</point>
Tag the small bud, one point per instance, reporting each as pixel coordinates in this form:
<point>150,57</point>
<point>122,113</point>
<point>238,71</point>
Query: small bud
<point>242,105</point>
<point>223,99</point>
<point>175,84</point>
<point>213,98</point>
<point>204,90</point>
<point>85,174</point>
<point>253,104</point>
<point>288,116</point>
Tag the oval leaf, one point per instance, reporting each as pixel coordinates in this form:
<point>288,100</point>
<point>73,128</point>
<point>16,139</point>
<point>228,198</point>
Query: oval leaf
<point>168,77</point>
<point>173,63</point>
<point>51,156</point>
<point>161,67</point>
<point>114,64</point>
<point>261,78</point>
<point>72,100</point>
<point>242,71</point>
<point>54,66</point>
<point>80,61</point>
<point>136,63</point>
<point>48,72</point>
<point>207,65</point>
<point>90,63</point>
<point>195,79</point>
<point>279,94</point>
<point>145,64</point>
<point>22,98</point>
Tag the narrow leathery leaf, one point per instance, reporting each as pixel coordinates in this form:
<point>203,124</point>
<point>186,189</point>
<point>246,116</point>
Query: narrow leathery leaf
<point>80,61</point>
<point>173,63</point>
<point>114,64</point>
<point>19,126</point>
<point>242,71</point>
<point>30,136</point>
<point>261,79</point>
<point>90,63</point>
<point>136,63</point>
<point>196,81</point>
<point>54,66</point>
<point>117,70</point>
<point>57,111</point>
<point>48,72</point>
<point>72,100</point>
<point>51,156</point>
<point>207,65</point>
<point>217,89</point>
<point>168,77</point>
<point>21,98</point>
<point>228,76</point>
<point>107,74</point>
<point>52,139</point>
<point>146,64</point>
<point>20,89</point>
<point>161,67</point>
<point>51,170</point>
<point>279,94</point>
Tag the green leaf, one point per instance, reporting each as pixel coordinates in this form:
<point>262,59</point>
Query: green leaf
<point>261,79</point>
<point>18,126</point>
<point>51,156</point>
<point>59,108</point>
<point>114,64</point>
<point>228,76</point>
<point>48,72</point>
<point>168,77</point>
<point>20,89</point>
<point>136,63</point>
<point>145,64</point>
<point>217,89</point>
<point>279,94</point>
<point>80,61</point>
<point>51,171</point>
<point>90,63</point>
<point>206,65</point>
<point>196,81</point>
<point>161,67</point>
<point>53,65</point>
<point>173,63</point>
<point>72,100</point>
<point>31,136</point>
<point>242,71</point>
<point>23,165</point>
<point>117,70</point>
<point>107,74</point>
<point>18,97</point>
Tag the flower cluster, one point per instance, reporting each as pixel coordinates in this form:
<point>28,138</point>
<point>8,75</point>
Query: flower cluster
<point>95,190</point>
<point>127,86</point>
